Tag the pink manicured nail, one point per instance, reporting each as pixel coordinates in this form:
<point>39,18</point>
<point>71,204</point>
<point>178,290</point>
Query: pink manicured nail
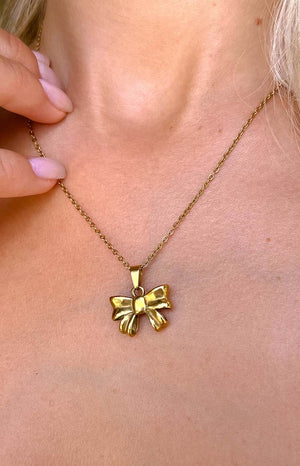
<point>57,96</point>
<point>41,57</point>
<point>47,168</point>
<point>48,75</point>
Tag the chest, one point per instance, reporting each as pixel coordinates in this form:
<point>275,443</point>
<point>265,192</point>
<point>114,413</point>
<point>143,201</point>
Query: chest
<point>216,386</point>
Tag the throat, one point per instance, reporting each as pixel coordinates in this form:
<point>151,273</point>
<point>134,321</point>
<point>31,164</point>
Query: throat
<point>142,104</point>
<point>138,69</point>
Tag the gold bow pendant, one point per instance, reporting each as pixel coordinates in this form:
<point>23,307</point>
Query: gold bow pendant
<point>129,310</point>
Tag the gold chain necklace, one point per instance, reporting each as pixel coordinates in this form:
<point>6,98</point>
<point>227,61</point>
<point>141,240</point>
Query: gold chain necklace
<point>126,309</point>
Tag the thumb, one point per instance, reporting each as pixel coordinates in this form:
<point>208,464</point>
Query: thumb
<point>20,176</point>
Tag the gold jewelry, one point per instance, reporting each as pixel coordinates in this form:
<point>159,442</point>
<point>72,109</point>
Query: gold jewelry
<point>126,309</point>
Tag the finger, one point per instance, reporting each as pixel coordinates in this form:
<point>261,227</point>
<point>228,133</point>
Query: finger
<point>49,104</point>
<point>20,176</point>
<point>12,48</point>
<point>21,92</point>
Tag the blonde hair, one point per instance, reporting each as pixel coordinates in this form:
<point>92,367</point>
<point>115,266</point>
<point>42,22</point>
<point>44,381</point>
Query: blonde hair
<point>285,46</point>
<point>22,18</point>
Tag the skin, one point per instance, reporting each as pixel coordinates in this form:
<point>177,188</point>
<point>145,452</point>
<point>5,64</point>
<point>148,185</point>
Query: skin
<point>159,92</point>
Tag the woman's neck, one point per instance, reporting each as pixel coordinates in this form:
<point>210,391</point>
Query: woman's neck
<point>142,67</point>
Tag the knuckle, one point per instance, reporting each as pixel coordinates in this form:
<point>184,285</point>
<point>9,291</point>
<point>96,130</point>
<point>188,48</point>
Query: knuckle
<point>13,47</point>
<point>19,76</point>
<point>16,79</point>
<point>6,167</point>
<point>10,45</point>
<point>10,79</point>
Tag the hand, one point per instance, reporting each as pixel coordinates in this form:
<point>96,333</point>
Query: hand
<point>29,87</point>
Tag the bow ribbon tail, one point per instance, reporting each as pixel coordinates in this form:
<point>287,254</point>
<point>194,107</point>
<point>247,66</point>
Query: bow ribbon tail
<point>157,320</point>
<point>129,324</point>
<point>123,311</point>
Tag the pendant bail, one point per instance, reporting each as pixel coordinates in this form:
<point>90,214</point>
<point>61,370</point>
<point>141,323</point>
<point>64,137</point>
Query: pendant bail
<point>136,275</point>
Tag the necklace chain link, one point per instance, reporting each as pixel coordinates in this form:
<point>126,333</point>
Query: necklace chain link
<point>186,211</point>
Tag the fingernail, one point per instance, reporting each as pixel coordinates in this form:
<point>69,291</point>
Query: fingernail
<point>47,168</point>
<point>48,75</point>
<point>57,96</point>
<point>41,57</point>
